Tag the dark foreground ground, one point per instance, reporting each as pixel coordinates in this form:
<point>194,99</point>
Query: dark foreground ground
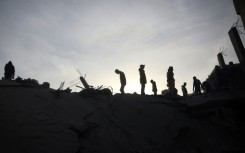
<point>40,120</point>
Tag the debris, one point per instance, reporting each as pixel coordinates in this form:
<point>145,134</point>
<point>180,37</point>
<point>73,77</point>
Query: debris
<point>45,85</point>
<point>89,91</point>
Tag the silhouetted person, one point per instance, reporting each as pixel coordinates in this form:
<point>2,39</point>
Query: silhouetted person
<point>9,71</point>
<point>143,80</point>
<point>184,90</point>
<point>196,85</point>
<point>122,80</point>
<point>154,87</point>
<point>206,86</point>
<point>171,82</point>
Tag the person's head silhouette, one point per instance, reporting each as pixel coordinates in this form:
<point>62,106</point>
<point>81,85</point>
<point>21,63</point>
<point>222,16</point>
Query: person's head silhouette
<point>117,71</point>
<point>142,66</point>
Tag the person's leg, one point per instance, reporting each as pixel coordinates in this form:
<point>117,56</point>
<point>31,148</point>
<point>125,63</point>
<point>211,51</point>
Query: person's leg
<point>122,89</point>
<point>142,89</point>
<point>198,90</point>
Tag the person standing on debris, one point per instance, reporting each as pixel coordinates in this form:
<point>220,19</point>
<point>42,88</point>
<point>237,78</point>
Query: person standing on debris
<point>154,87</point>
<point>196,85</point>
<point>171,82</point>
<point>143,80</point>
<point>184,90</point>
<point>9,71</point>
<point>122,80</point>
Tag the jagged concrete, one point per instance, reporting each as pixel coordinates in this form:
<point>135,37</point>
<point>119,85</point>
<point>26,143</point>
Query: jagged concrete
<point>40,120</point>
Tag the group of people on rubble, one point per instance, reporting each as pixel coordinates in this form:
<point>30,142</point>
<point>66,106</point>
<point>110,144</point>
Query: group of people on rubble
<point>172,91</point>
<point>197,85</point>
<point>143,81</point>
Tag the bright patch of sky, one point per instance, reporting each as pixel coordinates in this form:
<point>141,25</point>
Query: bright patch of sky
<point>46,39</point>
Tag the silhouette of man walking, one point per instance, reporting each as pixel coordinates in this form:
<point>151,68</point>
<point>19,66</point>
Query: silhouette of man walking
<point>143,80</point>
<point>154,87</point>
<point>9,71</point>
<point>122,80</point>
<point>196,85</point>
<point>184,90</point>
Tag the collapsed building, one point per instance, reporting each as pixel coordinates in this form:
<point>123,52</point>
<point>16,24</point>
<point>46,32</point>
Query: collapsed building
<point>227,76</point>
<point>232,75</point>
<point>240,9</point>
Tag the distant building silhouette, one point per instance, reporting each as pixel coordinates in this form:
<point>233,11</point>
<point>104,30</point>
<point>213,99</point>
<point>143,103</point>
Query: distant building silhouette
<point>228,76</point>
<point>232,75</point>
<point>154,87</point>
<point>143,80</point>
<point>184,90</point>
<point>9,71</point>
<point>221,60</point>
<point>238,46</point>
<point>122,80</point>
<point>240,9</point>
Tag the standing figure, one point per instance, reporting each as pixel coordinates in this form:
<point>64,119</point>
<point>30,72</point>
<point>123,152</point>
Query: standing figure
<point>184,90</point>
<point>9,71</point>
<point>171,82</point>
<point>196,85</point>
<point>143,80</point>
<point>122,80</point>
<point>154,87</point>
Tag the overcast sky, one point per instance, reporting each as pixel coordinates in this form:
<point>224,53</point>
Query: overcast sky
<point>45,39</point>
